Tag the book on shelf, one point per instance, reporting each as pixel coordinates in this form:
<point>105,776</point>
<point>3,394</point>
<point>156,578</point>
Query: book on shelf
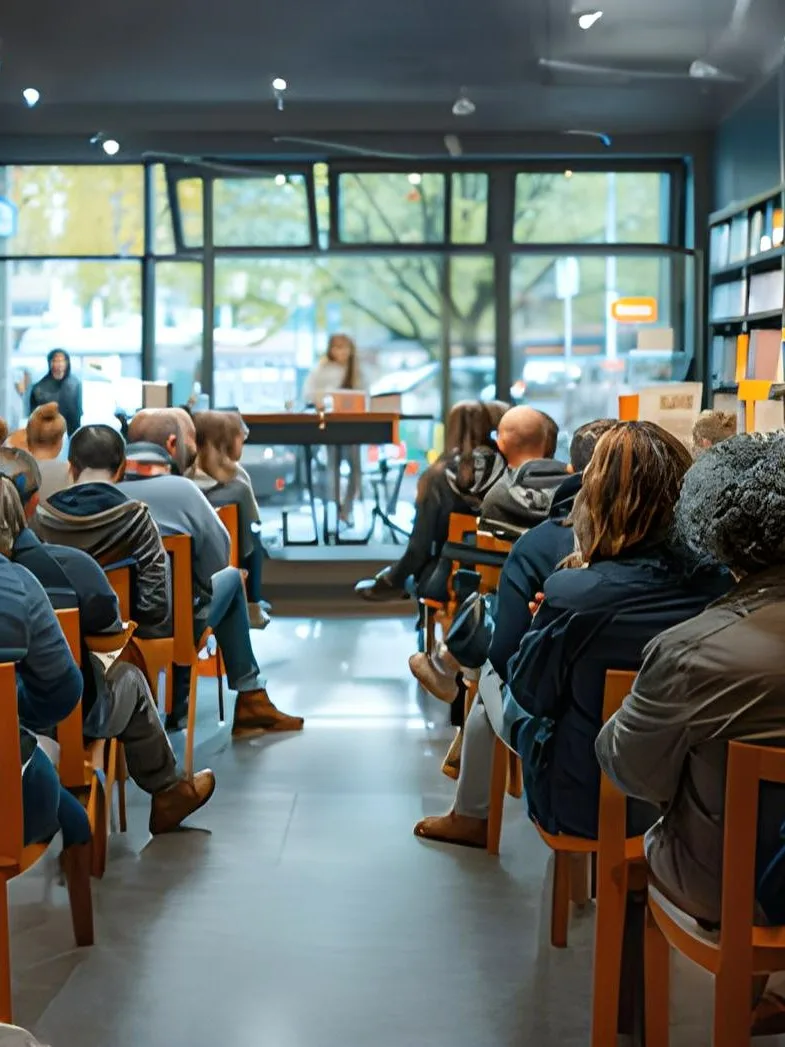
<point>769,416</point>
<point>767,291</point>
<point>729,299</point>
<point>756,233</point>
<point>764,359</point>
<point>719,246</point>
<point>723,360</point>
<point>778,227</point>
<point>739,238</point>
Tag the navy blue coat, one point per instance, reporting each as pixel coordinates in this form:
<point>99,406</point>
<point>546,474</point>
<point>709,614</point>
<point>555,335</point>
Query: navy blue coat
<point>592,620</point>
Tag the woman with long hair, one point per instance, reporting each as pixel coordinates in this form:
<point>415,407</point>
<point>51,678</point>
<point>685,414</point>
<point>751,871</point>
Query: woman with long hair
<point>628,580</point>
<point>45,434</point>
<point>219,439</point>
<point>457,482</point>
<point>337,370</point>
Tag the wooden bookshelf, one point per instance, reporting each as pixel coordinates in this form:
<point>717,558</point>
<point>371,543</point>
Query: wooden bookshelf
<point>746,287</point>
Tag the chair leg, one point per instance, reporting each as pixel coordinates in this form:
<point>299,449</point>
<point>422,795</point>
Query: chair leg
<point>6,1008</point>
<point>111,779</point>
<point>656,977</point>
<point>76,861</point>
<point>515,777</point>
<point>96,815</point>
<point>498,785</point>
<point>608,947</point>
<point>122,776</point>
<point>219,672</point>
<point>430,631</point>
<point>191,729</point>
<point>732,994</point>
<point>579,880</point>
<point>560,899</point>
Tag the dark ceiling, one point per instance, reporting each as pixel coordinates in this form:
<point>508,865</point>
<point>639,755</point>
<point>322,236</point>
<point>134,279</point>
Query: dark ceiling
<point>168,66</point>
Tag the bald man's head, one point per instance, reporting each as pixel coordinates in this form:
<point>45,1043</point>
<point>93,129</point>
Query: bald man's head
<point>171,428</point>
<point>522,436</point>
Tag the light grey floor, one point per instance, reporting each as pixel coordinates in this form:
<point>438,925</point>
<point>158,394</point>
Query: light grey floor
<point>299,909</point>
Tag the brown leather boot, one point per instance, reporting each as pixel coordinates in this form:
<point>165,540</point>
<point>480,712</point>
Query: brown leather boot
<point>253,711</point>
<point>454,828</point>
<point>441,685</point>
<point>76,862</point>
<point>172,806</point>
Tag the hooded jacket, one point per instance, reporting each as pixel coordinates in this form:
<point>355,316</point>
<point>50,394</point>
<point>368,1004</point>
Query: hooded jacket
<point>66,392</point>
<point>454,485</point>
<point>592,620</point>
<point>522,497</point>
<point>104,522</point>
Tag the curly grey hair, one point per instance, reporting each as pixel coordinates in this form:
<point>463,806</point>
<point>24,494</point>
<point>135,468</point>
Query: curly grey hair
<point>732,504</point>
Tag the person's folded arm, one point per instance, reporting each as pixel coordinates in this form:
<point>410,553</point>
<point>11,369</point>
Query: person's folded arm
<point>51,679</point>
<point>643,747</point>
<point>537,673</point>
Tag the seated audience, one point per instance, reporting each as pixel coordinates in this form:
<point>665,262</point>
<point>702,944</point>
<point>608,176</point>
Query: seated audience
<point>637,581</point>
<point>716,678</point>
<point>45,433</point>
<point>179,507</point>
<point>712,427</point>
<point>219,443</point>
<point>531,560</point>
<point>522,497</point>
<point>456,483</point>
<point>116,701</point>
<point>96,516</point>
<point>49,686</point>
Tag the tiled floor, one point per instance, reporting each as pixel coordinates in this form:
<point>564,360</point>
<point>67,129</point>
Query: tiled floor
<point>299,910</point>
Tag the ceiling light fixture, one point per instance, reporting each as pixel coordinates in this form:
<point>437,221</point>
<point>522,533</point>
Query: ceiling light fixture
<point>279,86</point>
<point>589,18</point>
<point>463,105</point>
<point>280,179</point>
<point>32,96</point>
<point>568,173</point>
<point>110,146</point>
<point>415,179</point>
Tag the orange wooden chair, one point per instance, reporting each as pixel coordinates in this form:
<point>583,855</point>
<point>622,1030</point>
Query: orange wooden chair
<point>212,664</point>
<point>15,858</point>
<point>740,950</point>
<point>100,765</point>
<point>462,526</point>
<point>570,872</point>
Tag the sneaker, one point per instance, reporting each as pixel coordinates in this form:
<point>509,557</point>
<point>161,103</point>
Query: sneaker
<point>172,806</point>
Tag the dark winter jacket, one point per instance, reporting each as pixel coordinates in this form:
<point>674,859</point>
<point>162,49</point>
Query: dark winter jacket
<point>71,578</point>
<point>66,392</point>
<point>522,497</point>
<point>104,522</point>
<point>592,620</point>
<point>451,487</point>
<point>533,558</point>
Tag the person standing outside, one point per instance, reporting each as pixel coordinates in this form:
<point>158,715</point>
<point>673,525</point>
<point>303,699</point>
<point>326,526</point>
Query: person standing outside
<point>61,387</point>
<point>338,370</point>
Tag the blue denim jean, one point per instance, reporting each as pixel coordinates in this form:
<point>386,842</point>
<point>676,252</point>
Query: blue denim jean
<point>227,616</point>
<point>48,808</point>
<point>253,564</point>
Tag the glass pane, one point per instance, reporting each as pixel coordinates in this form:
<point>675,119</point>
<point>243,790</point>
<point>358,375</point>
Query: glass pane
<point>265,211</point>
<point>178,327</point>
<point>571,358</point>
<point>472,318</point>
<point>90,309</point>
<point>391,208</point>
<point>469,207</point>
<point>163,228</point>
<point>190,193</point>
<point>89,210</point>
<point>592,207</point>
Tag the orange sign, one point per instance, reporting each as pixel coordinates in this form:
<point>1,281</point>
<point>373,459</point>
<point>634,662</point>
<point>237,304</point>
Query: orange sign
<point>635,310</point>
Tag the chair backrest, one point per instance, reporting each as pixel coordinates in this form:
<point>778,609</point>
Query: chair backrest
<point>613,803</point>
<point>490,575</point>
<point>12,817</point>
<point>70,736</point>
<point>748,766</point>
<point>178,546</point>
<point>120,580</point>
<point>230,518</point>
<point>461,525</point>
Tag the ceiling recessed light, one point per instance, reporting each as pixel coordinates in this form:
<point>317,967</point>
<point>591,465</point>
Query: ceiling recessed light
<point>463,105</point>
<point>280,179</point>
<point>568,173</point>
<point>32,96</point>
<point>415,179</point>
<point>110,146</point>
<point>279,84</point>
<point>589,18</point>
